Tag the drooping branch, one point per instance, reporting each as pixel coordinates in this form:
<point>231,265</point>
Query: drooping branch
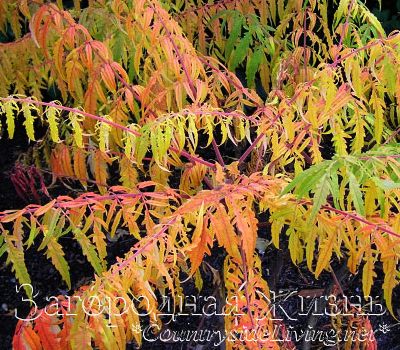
<point>177,51</point>
<point>183,153</point>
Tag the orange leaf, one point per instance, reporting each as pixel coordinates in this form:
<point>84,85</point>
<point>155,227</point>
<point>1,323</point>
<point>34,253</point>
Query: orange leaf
<point>107,74</point>
<point>202,247</point>
<point>224,231</point>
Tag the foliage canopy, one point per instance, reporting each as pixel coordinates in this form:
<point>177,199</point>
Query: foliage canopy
<point>152,88</point>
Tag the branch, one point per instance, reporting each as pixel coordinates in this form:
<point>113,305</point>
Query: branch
<point>273,121</point>
<point>351,215</point>
<point>140,249</point>
<point>230,80</point>
<point>218,153</point>
<point>106,121</point>
<point>363,48</point>
<point>178,53</point>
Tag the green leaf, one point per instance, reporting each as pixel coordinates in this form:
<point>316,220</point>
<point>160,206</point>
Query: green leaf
<point>17,258</point>
<point>252,66</point>
<point>334,183</point>
<point>142,144</point>
<point>3,246</point>
<point>241,52</point>
<point>88,250</point>
<point>356,194</point>
<point>340,12</point>
<point>321,192</point>
<point>390,75</point>
<point>56,254</point>
<point>234,35</point>
<point>386,184</point>
<point>119,46</point>
<point>304,181</point>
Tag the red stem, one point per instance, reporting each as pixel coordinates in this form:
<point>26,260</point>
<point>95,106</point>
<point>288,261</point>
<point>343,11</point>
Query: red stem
<point>178,53</point>
<point>106,121</point>
<point>218,153</point>
<point>366,47</point>
<point>262,134</point>
<point>353,216</point>
<point>139,250</point>
<point>361,219</point>
<point>231,81</point>
<point>250,148</point>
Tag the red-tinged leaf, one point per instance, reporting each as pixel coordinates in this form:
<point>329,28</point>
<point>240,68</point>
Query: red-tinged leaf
<point>34,24</point>
<point>156,195</point>
<point>83,29</point>
<point>121,71</point>
<point>145,184</point>
<point>66,162</point>
<point>99,206</point>
<point>43,33</point>
<point>108,77</point>
<point>69,37</point>
<point>25,337</point>
<point>368,228</point>
<point>90,105</point>
<point>99,168</point>
<point>80,168</point>
<point>64,198</point>
<point>61,161</point>
<point>67,308</point>
<point>48,330</point>
<point>371,343</point>
<point>118,188</point>
<point>129,99</point>
<point>13,216</point>
<point>58,48</point>
<point>343,96</point>
<point>155,203</point>
<point>101,49</point>
<point>89,55</point>
<point>44,209</point>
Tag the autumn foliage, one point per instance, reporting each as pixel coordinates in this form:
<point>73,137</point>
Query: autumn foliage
<point>149,90</point>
